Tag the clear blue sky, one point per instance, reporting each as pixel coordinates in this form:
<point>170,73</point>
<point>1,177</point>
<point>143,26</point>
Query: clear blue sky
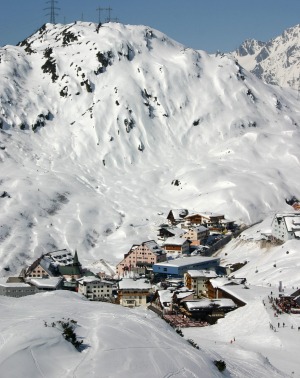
<point>201,24</point>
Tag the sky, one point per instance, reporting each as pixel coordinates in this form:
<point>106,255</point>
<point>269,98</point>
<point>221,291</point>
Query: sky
<point>208,25</point>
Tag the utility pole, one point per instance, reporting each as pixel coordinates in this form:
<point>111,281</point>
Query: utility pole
<point>108,19</point>
<point>53,8</point>
<point>99,12</point>
<point>109,9</point>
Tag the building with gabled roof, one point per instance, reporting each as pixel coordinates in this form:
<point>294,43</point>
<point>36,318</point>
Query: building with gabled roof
<point>61,257</point>
<point>176,216</point>
<point>144,254</point>
<point>42,267</point>
<point>133,292</point>
<point>209,309</point>
<point>71,271</point>
<point>205,218</point>
<point>176,244</point>
<point>166,231</point>
<point>94,288</point>
<point>53,265</point>
<point>214,284</point>
<point>197,233</point>
<point>198,280</point>
<point>162,299</point>
<point>46,284</point>
<point>286,226</point>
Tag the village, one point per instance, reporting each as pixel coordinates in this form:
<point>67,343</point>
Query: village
<point>178,277</point>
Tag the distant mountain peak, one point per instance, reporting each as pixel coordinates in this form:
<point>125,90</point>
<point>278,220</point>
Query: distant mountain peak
<point>249,47</point>
<point>277,61</point>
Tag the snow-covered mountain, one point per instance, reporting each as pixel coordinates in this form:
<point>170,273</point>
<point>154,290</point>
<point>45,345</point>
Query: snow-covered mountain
<point>118,342</point>
<point>98,122</point>
<point>276,61</point>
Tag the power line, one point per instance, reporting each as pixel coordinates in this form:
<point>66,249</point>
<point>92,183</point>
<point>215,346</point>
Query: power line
<point>99,13</point>
<point>109,9</point>
<point>108,19</point>
<point>53,8</point>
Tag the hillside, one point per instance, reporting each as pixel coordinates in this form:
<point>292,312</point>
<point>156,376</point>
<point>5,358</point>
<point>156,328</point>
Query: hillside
<point>98,122</point>
<point>266,262</point>
<point>117,342</point>
<point>276,61</point>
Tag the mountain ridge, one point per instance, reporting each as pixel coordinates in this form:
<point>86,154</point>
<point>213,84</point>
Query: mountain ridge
<point>276,61</point>
<point>98,122</point>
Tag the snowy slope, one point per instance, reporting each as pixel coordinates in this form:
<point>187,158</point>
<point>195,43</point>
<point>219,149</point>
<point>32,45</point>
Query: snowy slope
<point>97,123</point>
<point>117,342</point>
<point>276,61</point>
<point>267,263</point>
<point>253,339</point>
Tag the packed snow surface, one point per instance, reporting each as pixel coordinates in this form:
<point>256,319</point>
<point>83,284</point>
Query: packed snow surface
<point>253,332</point>
<point>117,342</point>
<point>97,123</point>
<point>266,263</point>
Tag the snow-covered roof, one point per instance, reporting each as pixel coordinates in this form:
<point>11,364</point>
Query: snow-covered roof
<point>185,261</point>
<point>292,223</point>
<point>12,284</point>
<point>246,294</point>
<point>224,221</point>
<point>129,283</point>
<point>50,283</point>
<point>184,294</point>
<point>219,281</point>
<point>62,257</point>
<point>208,303</point>
<point>174,240</point>
<point>292,220</point>
<point>202,273</point>
<point>179,213</point>
<point>153,246</point>
<point>205,214</point>
<point>198,228</point>
<point>46,264</point>
<point>165,296</point>
<point>88,279</point>
<point>176,231</point>
<point>91,279</point>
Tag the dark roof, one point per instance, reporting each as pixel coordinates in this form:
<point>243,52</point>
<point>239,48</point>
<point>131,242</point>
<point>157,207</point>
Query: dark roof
<point>46,264</point>
<point>15,279</point>
<point>76,260</point>
<point>88,273</point>
<point>69,270</point>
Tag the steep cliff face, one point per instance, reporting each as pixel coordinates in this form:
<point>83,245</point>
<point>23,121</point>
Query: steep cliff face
<point>276,61</point>
<point>97,122</point>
